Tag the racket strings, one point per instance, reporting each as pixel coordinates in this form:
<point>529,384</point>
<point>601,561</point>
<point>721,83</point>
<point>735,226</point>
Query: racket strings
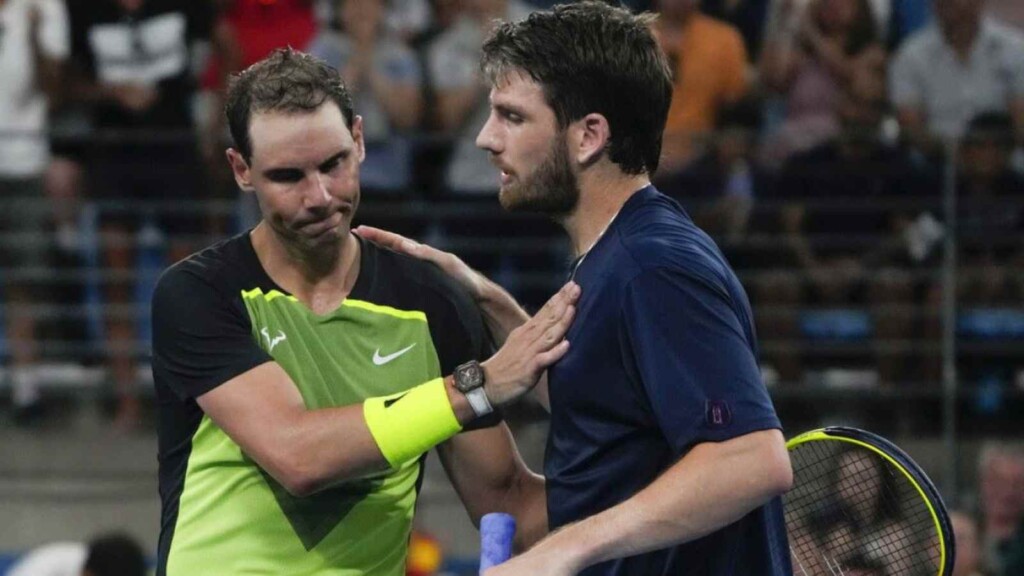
<point>851,512</point>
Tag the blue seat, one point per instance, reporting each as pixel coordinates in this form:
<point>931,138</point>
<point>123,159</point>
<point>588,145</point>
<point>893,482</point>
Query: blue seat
<point>846,324</point>
<point>991,324</point>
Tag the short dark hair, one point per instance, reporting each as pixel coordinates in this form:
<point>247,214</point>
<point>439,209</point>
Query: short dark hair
<point>285,81</point>
<point>592,57</point>
<point>115,555</point>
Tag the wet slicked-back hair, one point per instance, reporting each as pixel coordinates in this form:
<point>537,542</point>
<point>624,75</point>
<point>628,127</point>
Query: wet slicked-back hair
<point>591,57</point>
<point>286,81</point>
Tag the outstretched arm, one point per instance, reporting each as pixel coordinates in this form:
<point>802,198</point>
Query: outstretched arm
<point>260,409</point>
<point>500,310</point>
<point>714,485</point>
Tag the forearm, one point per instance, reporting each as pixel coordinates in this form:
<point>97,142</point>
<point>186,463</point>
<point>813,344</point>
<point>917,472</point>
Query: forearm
<point>48,77</point>
<point>528,503</point>
<point>307,450</point>
<point>501,312</point>
<point>454,105</point>
<point>321,448</point>
<point>490,476</point>
<point>402,103</point>
<point>711,487</point>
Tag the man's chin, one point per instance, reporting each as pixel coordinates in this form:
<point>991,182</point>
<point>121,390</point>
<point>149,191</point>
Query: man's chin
<point>513,200</point>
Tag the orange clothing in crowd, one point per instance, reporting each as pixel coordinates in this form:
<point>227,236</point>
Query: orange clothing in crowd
<point>710,70</point>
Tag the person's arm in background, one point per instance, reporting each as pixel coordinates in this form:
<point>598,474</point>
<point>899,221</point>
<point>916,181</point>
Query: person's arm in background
<point>906,92</point>
<point>226,51</point>
<point>397,86</point>
<point>261,409</point>
<point>457,83</point>
<point>689,346</point>
<point>737,74</point>
<point>779,54</point>
<point>501,312</point>
<point>50,44</point>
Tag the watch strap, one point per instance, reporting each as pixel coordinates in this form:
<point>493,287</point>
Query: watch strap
<point>477,398</point>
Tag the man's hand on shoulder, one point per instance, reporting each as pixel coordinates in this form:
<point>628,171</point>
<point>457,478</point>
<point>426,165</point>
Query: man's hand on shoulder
<point>472,281</point>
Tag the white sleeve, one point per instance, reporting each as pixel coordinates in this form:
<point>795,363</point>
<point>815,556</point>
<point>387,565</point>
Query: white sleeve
<point>904,86</point>
<point>54,35</point>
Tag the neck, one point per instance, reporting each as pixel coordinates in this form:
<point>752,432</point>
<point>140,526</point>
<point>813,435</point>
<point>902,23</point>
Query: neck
<point>962,35</point>
<point>603,191</point>
<point>307,274</point>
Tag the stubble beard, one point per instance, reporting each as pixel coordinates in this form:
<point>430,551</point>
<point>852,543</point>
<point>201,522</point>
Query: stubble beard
<point>551,190</point>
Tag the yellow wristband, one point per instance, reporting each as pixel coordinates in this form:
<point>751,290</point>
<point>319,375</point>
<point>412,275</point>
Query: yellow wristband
<point>407,424</point>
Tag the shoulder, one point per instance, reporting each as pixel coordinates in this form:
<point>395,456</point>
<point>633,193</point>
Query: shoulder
<point>719,28</point>
<point>1003,34</point>
<point>220,269</point>
<point>919,45</point>
<point>660,236</point>
<point>423,280</point>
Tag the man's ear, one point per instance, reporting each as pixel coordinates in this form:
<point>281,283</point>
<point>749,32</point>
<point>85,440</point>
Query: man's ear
<point>357,138</point>
<point>589,139</point>
<point>240,169</point>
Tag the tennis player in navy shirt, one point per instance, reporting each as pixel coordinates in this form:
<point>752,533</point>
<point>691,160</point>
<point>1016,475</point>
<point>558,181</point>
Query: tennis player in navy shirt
<point>665,455</point>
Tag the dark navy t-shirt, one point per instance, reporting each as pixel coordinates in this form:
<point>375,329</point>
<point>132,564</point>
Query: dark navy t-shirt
<point>663,357</point>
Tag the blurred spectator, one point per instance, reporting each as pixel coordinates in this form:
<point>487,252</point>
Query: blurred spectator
<point>990,203</point>
<point>835,51</point>
<point>786,17</point>
<point>1001,495</point>
<point>719,188</point>
<point>384,78</point>
<point>965,535</point>
<point>866,490</point>
<point>425,555</point>
<point>406,19</point>
<point>959,66</point>
<point>841,225</point>
<point>709,65</point>
<point>453,61</point>
<point>260,26</point>
<point>748,16</point>
<point>990,222</point>
<point>107,555</point>
<point>132,61</point>
<point>1014,556</point>
<point>34,42</point>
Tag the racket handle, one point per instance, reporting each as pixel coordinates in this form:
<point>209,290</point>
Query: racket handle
<point>497,530</point>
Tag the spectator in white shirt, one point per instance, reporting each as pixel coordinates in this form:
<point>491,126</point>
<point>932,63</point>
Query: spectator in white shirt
<point>962,64</point>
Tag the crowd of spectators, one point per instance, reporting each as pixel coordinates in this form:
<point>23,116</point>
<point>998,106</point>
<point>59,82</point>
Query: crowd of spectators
<point>811,137</point>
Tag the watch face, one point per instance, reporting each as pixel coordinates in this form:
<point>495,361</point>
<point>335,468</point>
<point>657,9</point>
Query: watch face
<point>469,376</point>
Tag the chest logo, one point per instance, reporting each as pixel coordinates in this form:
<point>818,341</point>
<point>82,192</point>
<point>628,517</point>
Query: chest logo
<point>382,360</point>
<point>271,342</point>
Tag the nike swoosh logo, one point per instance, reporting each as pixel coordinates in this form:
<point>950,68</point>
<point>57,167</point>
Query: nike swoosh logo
<point>388,403</point>
<point>382,360</point>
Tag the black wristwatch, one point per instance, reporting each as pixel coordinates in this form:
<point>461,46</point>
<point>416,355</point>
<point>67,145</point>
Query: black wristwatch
<point>469,379</point>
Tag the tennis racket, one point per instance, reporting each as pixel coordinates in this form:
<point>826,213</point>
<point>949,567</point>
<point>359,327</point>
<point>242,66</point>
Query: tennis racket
<point>497,530</point>
<point>861,507</point>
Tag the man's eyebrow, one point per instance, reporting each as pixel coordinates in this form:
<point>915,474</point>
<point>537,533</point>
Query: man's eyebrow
<point>504,108</point>
<point>337,156</point>
<point>281,170</point>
